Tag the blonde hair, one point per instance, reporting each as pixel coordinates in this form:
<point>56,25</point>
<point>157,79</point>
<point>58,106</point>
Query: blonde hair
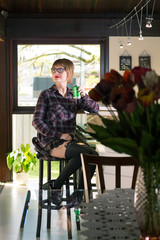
<point>68,65</point>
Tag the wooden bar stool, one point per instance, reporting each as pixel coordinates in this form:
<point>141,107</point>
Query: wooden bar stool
<point>44,202</point>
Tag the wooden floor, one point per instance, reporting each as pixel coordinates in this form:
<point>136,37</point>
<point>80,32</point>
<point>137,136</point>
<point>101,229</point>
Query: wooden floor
<point>12,200</point>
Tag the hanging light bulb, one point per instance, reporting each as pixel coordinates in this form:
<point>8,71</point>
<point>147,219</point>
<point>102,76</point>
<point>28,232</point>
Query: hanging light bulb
<point>129,42</point>
<point>149,22</point>
<point>121,45</point>
<point>140,36</point>
<point>149,17</point>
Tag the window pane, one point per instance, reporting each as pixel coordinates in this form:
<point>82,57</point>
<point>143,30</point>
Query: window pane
<point>35,62</point>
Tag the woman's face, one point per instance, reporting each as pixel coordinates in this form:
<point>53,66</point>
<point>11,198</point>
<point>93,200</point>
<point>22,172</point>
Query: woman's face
<point>59,74</point>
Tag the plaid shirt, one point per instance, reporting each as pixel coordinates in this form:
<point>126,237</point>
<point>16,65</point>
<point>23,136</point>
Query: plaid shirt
<point>55,115</point>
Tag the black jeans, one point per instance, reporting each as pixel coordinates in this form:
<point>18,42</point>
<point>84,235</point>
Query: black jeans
<point>73,158</point>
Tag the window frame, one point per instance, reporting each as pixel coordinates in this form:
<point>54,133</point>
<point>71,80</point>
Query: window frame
<point>29,109</point>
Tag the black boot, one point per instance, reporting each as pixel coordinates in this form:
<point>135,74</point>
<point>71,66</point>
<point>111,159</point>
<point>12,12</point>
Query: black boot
<point>55,194</point>
<point>75,199</point>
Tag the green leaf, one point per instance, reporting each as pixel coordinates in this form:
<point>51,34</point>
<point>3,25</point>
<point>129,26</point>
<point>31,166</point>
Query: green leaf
<point>118,144</point>
<point>100,131</point>
<point>147,142</point>
<point>22,147</point>
<point>17,168</point>
<point>26,149</point>
<point>122,145</point>
<point>10,161</point>
<point>19,155</point>
<point>157,155</point>
<point>113,127</point>
<point>26,167</point>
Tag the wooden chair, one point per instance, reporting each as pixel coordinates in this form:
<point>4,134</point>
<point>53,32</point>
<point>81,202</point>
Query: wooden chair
<point>99,161</point>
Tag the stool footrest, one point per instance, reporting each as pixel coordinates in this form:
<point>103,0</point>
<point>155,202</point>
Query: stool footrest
<point>46,204</point>
<point>51,207</point>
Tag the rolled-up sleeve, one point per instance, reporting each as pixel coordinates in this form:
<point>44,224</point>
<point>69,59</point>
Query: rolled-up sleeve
<point>87,104</point>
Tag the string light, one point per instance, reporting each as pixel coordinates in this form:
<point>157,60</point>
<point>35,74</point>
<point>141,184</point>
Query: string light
<point>139,23</point>
<point>127,18</point>
<point>121,43</point>
<point>130,30</point>
<point>128,42</point>
<point>149,18</point>
<point>130,16</point>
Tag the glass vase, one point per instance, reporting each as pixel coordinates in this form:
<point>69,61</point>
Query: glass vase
<point>147,203</point>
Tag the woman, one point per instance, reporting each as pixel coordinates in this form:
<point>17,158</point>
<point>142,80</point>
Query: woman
<point>55,121</point>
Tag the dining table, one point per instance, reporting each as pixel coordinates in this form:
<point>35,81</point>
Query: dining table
<point>109,171</point>
<point>110,216</point>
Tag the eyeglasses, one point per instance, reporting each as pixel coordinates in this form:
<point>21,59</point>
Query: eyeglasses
<point>59,70</point>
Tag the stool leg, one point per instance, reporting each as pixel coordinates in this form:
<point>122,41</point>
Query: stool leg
<point>67,188</point>
<point>40,198</point>
<point>49,204</point>
<point>69,225</point>
<point>75,180</point>
<point>78,225</point>
<point>39,222</point>
<point>48,170</point>
<point>67,184</point>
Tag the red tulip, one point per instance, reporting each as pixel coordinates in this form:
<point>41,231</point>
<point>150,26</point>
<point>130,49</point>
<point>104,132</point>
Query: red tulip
<point>113,77</point>
<point>136,75</point>
<point>103,87</point>
<point>126,75</point>
<point>95,95</point>
<point>120,97</point>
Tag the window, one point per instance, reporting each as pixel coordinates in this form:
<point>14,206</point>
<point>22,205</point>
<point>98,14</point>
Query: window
<point>34,62</point>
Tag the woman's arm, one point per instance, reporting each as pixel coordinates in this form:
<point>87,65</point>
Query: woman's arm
<point>86,103</point>
<point>40,123</point>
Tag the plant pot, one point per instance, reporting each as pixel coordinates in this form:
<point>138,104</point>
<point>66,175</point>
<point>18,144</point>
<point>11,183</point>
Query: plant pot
<point>147,203</point>
<point>21,178</point>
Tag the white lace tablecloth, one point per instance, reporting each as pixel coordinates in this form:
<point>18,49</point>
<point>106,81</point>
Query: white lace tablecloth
<point>111,216</point>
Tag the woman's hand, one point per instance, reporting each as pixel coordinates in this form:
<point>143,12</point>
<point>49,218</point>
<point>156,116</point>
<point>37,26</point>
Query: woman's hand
<point>66,136</point>
<point>81,91</point>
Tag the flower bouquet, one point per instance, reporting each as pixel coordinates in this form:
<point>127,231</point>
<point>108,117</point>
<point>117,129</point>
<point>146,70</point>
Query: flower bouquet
<point>134,129</point>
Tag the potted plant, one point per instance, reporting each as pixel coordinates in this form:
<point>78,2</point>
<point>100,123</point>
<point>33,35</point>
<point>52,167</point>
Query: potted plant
<point>21,161</point>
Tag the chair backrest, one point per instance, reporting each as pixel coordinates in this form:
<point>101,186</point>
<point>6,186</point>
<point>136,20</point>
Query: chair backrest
<point>99,161</point>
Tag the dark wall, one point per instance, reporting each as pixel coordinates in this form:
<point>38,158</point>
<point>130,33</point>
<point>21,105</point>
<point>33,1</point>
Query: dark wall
<point>4,172</point>
<point>2,27</point>
<point>72,27</point>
